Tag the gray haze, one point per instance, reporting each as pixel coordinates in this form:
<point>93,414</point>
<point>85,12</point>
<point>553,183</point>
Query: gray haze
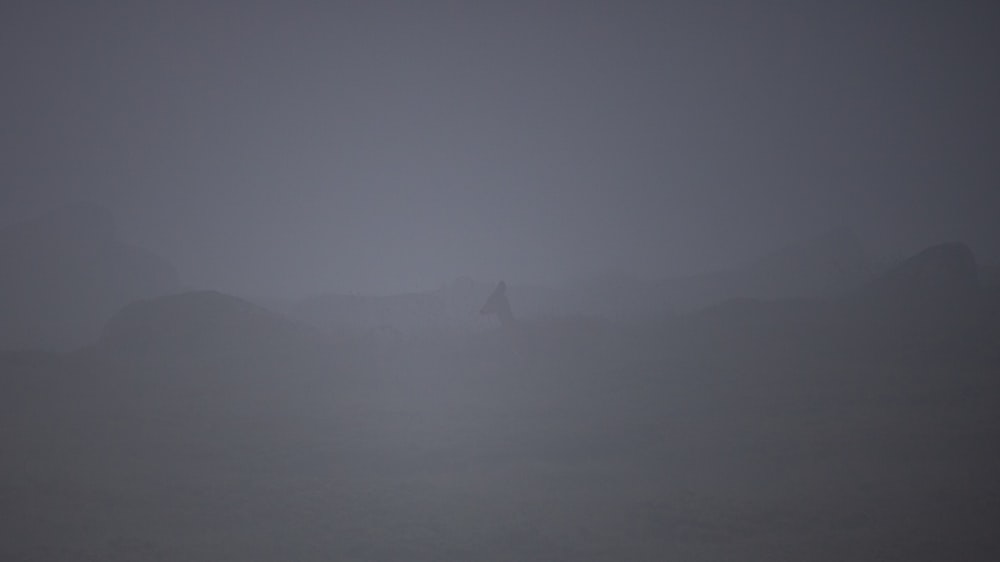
<point>251,305</point>
<point>276,148</point>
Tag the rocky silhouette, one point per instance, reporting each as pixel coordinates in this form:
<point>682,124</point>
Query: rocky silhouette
<point>204,326</point>
<point>65,273</point>
<point>831,264</point>
<point>862,417</point>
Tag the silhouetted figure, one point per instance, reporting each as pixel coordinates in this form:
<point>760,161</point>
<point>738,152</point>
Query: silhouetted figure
<point>516,334</point>
<point>499,305</point>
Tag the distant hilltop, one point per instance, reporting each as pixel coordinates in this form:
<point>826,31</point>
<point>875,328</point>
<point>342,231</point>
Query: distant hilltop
<point>204,327</point>
<point>829,264</point>
<point>64,273</point>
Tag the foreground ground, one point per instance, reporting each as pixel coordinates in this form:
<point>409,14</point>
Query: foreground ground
<point>607,447</point>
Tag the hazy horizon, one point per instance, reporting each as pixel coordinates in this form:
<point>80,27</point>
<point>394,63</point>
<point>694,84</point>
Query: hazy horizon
<point>380,148</point>
<point>689,358</point>
<point>813,242</point>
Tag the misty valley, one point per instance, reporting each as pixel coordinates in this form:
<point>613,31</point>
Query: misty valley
<point>603,281</point>
<point>807,406</point>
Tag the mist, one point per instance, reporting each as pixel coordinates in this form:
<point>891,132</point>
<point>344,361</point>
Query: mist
<point>380,148</point>
<point>505,281</point>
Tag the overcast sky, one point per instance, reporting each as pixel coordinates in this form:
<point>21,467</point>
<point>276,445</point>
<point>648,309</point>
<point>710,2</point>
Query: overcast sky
<point>289,148</point>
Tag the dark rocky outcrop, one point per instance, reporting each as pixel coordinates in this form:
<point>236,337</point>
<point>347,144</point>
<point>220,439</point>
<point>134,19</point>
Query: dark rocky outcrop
<point>931,306</point>
<point>63,274</point>
<point>208,328</point>
<point>833,263</point>
<point>941,271</point>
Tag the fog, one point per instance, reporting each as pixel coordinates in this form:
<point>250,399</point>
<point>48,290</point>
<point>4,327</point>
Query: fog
<point>381,147</point>
<point>508,281</point>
